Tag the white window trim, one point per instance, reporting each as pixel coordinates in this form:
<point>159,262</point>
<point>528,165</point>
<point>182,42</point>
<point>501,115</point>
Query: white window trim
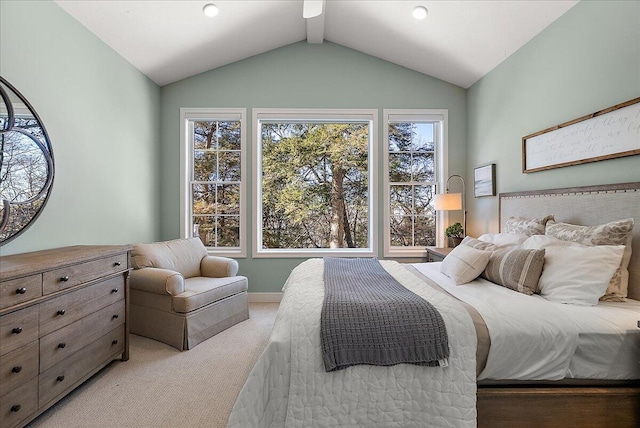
<point>264,114</point>
<point>186,148</point>
<point>442,154</point>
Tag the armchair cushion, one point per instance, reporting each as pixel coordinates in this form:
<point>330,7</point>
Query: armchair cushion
<point>201,291</point>
<point>159,281</point>
<point>180,255</point>
<point>218,267</point>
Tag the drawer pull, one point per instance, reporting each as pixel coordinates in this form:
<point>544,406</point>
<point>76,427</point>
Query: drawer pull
<point>117,264</point>
<point>21,290</point>
<point>115,317</point>
<point>115,290</point>
<point>16,330</point>
<point>64,278</point>
<point>62,345</point>
<point>115,342</point>
<point>60,378</point>
<point>62,312</point>
<point>16,369</point>
<point>16,408</point>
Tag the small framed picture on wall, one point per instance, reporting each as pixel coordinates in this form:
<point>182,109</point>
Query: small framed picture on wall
<point>484,180</point>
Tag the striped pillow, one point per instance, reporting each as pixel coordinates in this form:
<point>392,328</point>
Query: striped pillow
<point>478,244</point>
<point>518,270</point>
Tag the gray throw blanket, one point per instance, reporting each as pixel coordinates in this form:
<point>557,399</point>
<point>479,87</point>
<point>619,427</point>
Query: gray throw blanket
<point>370,318</point>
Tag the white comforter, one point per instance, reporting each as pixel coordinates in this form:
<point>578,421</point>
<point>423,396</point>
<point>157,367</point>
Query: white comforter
<point>288,386</point>
<point>531,339</point>
<point>535,339</point>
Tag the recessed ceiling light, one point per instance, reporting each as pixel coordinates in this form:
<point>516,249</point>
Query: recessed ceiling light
<point>210,9</point>
<point>420,12</point>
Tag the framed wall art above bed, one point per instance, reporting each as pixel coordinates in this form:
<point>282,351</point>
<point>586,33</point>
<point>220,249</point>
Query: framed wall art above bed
<point>606,134</point>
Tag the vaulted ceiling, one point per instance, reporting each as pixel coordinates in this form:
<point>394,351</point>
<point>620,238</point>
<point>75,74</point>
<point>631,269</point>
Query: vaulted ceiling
<point>458,41</point>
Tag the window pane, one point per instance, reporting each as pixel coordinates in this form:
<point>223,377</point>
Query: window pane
<point>401,200</point>
<point>400,135</point>
<point>425,231</point>
<point>315,191</point>
<point>229,135</point>
<point>401,231</point>
<point>422,138</point>
<point>216,135</point>
<point>228,231</point>
<point>422,167</point>
<point>206,229</point>
<point>423,198</point>
<point>229,164</point>
<point>203,135</point>
<point>228,201</point>
<point>204,165</point>
<point>399,167</point>
<point>204,198</point>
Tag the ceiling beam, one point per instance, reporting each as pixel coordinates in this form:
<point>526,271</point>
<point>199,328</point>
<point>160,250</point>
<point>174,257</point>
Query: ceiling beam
<point>313,12</point>
<point>315,29</point>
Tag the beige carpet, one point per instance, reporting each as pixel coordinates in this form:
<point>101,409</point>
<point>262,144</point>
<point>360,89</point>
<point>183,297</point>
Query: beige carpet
<point>162,387</point>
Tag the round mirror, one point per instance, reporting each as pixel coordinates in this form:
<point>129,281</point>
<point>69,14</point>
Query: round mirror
<point>26,163</point>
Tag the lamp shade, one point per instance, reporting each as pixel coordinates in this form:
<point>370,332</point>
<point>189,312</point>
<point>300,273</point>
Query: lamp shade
<point>448,201</point>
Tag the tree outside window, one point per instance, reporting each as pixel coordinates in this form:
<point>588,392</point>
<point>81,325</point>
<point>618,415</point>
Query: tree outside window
<point>414,162</point>
<point>213,183</point>
<point>315,192</point>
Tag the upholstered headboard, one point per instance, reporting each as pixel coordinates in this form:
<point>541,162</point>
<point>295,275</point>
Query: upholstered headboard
<point>585,206</point>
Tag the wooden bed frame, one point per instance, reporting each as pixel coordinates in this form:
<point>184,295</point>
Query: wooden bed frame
<point>569,406</point>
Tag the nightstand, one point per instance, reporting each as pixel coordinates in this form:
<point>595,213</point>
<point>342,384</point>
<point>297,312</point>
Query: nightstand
<point>436,254</point>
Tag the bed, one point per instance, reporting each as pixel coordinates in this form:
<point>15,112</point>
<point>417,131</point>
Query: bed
<point>289,386</point>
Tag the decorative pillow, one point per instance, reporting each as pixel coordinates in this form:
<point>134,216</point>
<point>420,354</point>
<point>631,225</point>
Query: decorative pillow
<point>516,269</point>
<point>613,233</point>
<point>504,240</point>
<point>464,263</point>
<point>578,274</point>
<point>477,244</point>
<point>527,227</point>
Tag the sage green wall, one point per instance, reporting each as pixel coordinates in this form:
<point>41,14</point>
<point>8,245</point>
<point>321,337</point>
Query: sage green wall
<point>587,60</point>
<point>300,76</point>
<point>102,116</point>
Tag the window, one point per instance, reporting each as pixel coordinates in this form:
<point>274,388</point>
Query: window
<point>315,184</point>
<point>415,142</point>
<point>213,185</point>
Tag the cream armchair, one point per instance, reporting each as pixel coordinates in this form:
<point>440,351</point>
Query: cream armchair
<point>181,296</point>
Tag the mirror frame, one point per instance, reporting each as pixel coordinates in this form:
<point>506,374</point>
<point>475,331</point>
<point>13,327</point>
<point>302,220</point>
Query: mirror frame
<point>44,146</point>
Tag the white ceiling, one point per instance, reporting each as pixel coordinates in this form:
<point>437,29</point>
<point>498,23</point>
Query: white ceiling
<point>458,42</point>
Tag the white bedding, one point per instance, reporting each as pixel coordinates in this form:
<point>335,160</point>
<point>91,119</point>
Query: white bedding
<point>535,339</point>
<point>288,387</point>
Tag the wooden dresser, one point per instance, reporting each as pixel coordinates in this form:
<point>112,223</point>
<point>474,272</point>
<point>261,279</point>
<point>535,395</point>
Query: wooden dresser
<point>63,316</point>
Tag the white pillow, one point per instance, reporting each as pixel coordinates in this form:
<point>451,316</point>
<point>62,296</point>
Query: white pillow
<point>504,240</point>
<point>465,263</point>
<point>538,242</point>
<point>578,274</point>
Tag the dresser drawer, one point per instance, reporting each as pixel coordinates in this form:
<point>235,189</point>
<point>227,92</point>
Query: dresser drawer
<point>20,290</point>
<point>18,328</point>
<point>66,309</point>
<point>69,276</point>
<point>60,344</point>
<point>18,404</point>
<point>60,378</point>
<point>18,366</point>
